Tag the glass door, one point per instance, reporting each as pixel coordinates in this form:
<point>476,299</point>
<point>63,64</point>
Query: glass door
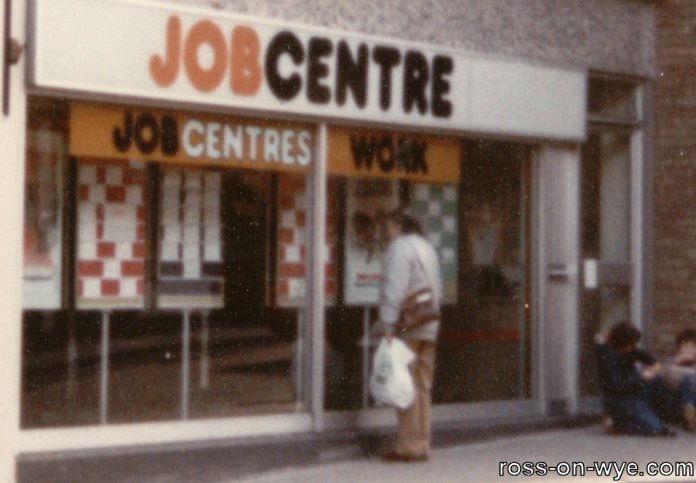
<point>606,200</point>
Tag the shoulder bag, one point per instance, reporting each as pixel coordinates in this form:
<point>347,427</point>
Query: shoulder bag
<point>419,307</point>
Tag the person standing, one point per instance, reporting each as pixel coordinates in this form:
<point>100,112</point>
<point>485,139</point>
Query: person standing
<point>410,263</point>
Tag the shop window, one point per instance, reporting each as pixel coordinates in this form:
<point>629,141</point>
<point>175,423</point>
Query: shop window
<point>369,174</point>
<point>43,209</point>
<point>183,288</point>
<point>484,349</point>
<point>473,202</point>
<point>58,386</point>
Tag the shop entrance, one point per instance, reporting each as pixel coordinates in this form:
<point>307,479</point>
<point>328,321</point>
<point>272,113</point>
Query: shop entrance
<point>245,197</point>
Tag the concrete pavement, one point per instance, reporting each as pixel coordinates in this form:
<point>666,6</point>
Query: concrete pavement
<point>462,454</point>
<point>480,461</point>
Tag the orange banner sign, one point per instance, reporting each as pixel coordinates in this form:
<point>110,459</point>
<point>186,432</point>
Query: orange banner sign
<point>363,152</point>
<point>102,131</point>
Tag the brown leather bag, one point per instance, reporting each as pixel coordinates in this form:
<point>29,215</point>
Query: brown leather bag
<point>419,307</point>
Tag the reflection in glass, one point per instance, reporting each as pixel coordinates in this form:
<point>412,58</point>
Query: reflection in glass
<point>483,351</point>
<point>200,274</point>
<point>612,99</point>
<point>43,217</point>
<point>245,356</point>
<point>479,229</point>
<point>606,218</point>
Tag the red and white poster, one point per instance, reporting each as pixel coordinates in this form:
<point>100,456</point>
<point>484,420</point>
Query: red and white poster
<point>367,200</point>
<point>42,222</point>
<point>291,279</point>
<point>111,235</point>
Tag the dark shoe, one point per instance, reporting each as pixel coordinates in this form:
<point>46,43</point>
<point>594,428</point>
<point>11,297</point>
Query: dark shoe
<point>667,433</point>
<point>608,424</point>
<point>689,412</point>
<point>396,457</point>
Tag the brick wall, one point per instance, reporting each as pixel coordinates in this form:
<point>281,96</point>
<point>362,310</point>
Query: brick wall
<point>675,172</point>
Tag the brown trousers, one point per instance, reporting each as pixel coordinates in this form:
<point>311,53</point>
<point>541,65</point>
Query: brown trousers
<point>414,421</point>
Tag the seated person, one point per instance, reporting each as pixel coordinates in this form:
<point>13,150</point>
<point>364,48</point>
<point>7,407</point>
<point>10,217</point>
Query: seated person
<point>677,400</point>
<point>628,393</point>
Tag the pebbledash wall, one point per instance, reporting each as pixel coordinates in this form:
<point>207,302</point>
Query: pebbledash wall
<point>612,36</point>
<point>606,41</point>
<point>674,173</point>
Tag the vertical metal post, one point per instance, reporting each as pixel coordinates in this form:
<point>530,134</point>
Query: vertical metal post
<point>366,357</point>
<point>72,363</point>
<point>6,37</point>
<point>639,189</point>
<point>316,293</point>
<point>522,287</point>
<point>298,362</point>
<point>537,261</point>
<point>560,212</point>
<point>185,363</point>
<point>205,356</point>
<point>104,369</point>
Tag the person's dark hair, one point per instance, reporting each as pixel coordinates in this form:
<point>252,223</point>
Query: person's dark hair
<point>361,222</point>
<point>686,335</point>
<point>403,217</point>
<point>623,334</point>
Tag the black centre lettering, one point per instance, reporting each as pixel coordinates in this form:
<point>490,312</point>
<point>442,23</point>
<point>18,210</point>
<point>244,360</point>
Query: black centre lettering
<point>442,66</point>
<point>387,58</point>
<point>352,73</point>
<point>284,43</point>
<point>415,81</point>
<point>317,70</point>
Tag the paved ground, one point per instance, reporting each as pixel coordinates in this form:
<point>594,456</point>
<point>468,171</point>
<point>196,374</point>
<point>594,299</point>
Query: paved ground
<point>479,461</point>
<point>464,455</point>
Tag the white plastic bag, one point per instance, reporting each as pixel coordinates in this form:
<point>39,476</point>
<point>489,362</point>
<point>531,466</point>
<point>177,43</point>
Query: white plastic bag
<point>391,382</point>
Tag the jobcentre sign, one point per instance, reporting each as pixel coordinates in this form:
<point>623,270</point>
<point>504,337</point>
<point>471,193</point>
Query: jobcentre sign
<point>140,49</point>
<point>191,139</point>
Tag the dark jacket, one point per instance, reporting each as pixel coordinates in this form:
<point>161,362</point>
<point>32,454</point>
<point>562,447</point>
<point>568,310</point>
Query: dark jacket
<point>618,376</point>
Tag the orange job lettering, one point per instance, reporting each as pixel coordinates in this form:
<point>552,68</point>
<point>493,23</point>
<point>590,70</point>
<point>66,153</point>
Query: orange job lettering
<point>164,72</point>
<point>245,78</point>
<point>242,60</point>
